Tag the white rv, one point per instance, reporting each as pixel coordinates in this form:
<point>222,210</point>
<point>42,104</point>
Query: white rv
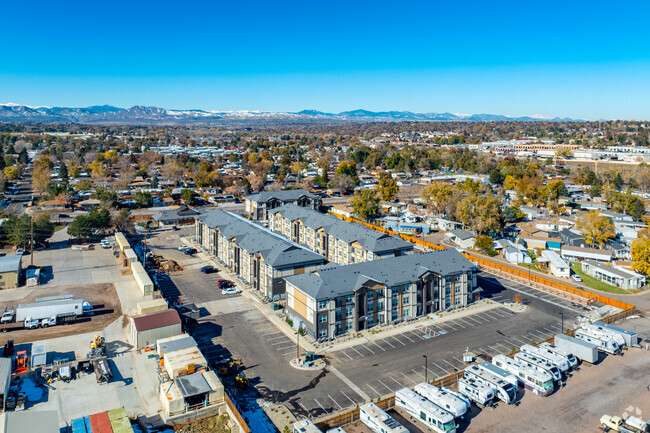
<point>443,399</point>
<point>379,421</point>
<point>600,340</point>
<point>500,373</point>
<point>539,365</point>
<point>550,357</point>
<point>475,391</point>
<point>426,412</point>
<point>505,391</point>
<point>537,381</point>
<point>305,426</point>
<point>572,360</point>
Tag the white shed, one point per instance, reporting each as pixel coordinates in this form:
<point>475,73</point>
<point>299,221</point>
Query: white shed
<point>557,266</point>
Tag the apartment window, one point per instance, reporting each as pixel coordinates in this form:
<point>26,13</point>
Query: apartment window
<point>407,313</point>
<point>348,311</point>
<point>348,299</point>
<point>405,300</point>
<point>380,306</point>
<point>338,316</point>
<point>457,301</point>
<point>370,306</point>
<point>348,325</point>
<point>322,318</point>
<point>380,293</point>
<point>322,333</point>
<point>458,288</point>
<point>322,305</point>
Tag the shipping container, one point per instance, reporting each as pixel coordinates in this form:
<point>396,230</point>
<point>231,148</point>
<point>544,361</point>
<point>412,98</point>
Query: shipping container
<point>48,309</point>
<point>583,350</point>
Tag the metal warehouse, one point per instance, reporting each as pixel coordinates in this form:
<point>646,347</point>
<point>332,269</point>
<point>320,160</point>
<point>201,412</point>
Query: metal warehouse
<point>148,329</point>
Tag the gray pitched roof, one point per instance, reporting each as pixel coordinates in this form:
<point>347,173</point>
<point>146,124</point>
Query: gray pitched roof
<point>462,234</point>
<point>285,196</point>
<point>175,214</point>
<point>253,238</point>
<point>338,280</point>
<point>10,263</point>
<point>369,239</point>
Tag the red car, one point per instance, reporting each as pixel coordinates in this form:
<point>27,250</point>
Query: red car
<point>224,284</point>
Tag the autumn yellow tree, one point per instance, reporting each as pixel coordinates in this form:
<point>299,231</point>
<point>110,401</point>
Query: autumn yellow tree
<point>387,188</point>
<point>41,174</point>
<point>597,229</point>
<point>641,255</point>
<point>438,195</point>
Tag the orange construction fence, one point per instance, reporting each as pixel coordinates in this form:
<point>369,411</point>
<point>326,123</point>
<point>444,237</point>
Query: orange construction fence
<point>523,276</point>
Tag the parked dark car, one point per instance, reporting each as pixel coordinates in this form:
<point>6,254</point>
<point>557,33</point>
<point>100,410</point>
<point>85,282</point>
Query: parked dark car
<point>208,269</point>
<point>224,284</point>
<point>190,251</point>
<point>175,228</point>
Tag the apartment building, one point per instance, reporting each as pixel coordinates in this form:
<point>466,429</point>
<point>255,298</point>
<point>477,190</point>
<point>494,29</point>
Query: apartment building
<point>259,257</point>
<point>338,299</point>
<point>258,205</point>
<point>339,241</point>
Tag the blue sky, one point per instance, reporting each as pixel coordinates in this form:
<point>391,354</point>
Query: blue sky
<point>580,59</point>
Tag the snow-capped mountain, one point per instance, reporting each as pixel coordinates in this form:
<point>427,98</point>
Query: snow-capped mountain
<point>153,115</point>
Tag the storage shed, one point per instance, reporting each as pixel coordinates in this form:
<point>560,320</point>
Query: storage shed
<point>142,278</point>
<point>148,307</point>
<point>129,257</point>
<point>172,344</point>
<point>10,271</point>
<point>121,241</point>
<point>149,328</point>
<point>32,421</point>
<point>183,362</point>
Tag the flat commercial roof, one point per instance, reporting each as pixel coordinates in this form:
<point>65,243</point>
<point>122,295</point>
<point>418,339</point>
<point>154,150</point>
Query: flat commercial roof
<point>192,384</point>
<point>159,319</point>
<point>32,421</point>
<point>174,345</point>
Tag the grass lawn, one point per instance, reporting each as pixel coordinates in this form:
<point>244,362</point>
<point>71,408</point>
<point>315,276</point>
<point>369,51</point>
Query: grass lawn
<point>593,283</point>
<point>533,266</point>
<point>57,228</point>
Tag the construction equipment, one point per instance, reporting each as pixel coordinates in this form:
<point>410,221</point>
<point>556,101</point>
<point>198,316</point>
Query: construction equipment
<point>98,342</point>
<point>229,367</point>
<point>8,349</point>
<point>22,362</point>
<point>103,372</point>
<point>241,380</point>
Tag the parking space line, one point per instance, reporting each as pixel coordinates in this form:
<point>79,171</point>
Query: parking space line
<point>494,315</point>
<point>537,335</point>
<point>291,352</point>
<point>417,335</point>
<point>398,384</point>
<point>457,323</point>
<point>480,316</point>
<point>452,365</point>
<point>550,330</point>
<point>414,382</point>
<point>458,360</point>
<point>473,320</point>
<point>466,322</point>
<point>343,352</point>
<point>399,341</point>
<point>377,345</point>
<point>373,389</point>
<point>510,342</point>
<point>519,340</point>
<point>389,389</point>
<point>499,344</point>
<point>384,340</point>
<point>303,407</point>
<point>335,402</point>
<point>321,406</point>
<point>346,396</point>
<point>357,351</point>
<point>417,373</point>
<point>407,337</point>
<point>283,347</point>
<point>274,338</point>
<point>367,348</point>
<point>439,367</point>
<point>498,351</point>
<point>280,342</point>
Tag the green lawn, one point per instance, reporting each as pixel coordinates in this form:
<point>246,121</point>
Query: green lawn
<point>533,266</point>
<point>593,283</point>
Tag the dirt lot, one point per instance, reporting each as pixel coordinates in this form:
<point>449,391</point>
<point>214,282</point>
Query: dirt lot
<point>103,297</point>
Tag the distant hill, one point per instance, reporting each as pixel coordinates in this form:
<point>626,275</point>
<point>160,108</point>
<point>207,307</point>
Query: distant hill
<point>140,114</point>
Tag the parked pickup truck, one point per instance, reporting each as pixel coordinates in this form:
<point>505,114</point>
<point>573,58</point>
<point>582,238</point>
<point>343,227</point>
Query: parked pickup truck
<point>7,316</point>
<point>31,323</point>
<point>61,319</point>
<point>630,425</point>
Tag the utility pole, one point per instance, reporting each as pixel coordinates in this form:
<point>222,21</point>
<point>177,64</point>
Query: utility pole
<point>426,369</point>
<point>298,347</point>
<point>144,251</point>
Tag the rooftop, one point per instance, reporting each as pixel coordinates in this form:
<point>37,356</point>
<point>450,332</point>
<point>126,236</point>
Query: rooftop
<point>284,196</point>
<point>155,320</point>
<point>10,263</point>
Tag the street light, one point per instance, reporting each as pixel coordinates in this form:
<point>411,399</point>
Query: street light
<point>298,347</point>
<point>426,369</point>
<point>562,314</point>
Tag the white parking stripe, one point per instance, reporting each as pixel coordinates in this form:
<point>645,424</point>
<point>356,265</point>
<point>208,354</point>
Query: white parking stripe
<point>334,401</point>
<point>414,382</point>
<point>476,322</point>
<point>343,352</point>
<point>373,389</point>
<point>389,389</point>
<point>367,348</point>
<point>440,368</point>
<point>505,347</point>
<point>321,406</point>
<point>519,340</point>
<point>357,351</point>
<point>403,344</point>
<point>467,322</point>
<point>417,373</point>
<point>458,360</point>
<point>284,347</point>
<point>278,342</point>
<point>452,365</point>
<point>384,340</point>
<point>377,345</point>
<point>346,396</point>
<point>417,335</point>
<point>448,325</point>
<point>457,323</point>
<point>398,384</point>
<point>406,336</point>
<point>549,330</point>
<point>496,349</point>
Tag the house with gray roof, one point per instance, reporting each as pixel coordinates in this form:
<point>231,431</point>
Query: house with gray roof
<point>339,241</point>
<point>337,299</point>
<point>257,255</point>
<point>180,216</point>
<point>462,238</point>
<point>258,205</point>
<point>613,275</point>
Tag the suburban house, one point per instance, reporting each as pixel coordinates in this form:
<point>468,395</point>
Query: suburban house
<point>620,251</point>
<point>591,205</point>
<point>10,269</point>
<point>514,252</point>
<point>182,215</point>
<point>337,299</point>
<point>551,224</point>
<point>613,275</point>
<point>258,205</point>
<point>448,225</point>
<point>260,257</point>
<point>572,239</point>
<point>339,241</point>
<point>556,265</point>
<point>533,213</point>
<point>578,253</point>
<point>462,238</point>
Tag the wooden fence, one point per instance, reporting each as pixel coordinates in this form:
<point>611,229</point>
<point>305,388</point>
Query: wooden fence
<point>235,411</point>
<point>519,275</point>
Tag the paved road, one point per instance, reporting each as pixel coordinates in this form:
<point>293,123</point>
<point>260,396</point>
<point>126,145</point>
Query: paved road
<point>23,194</point>
<point>233,327</point>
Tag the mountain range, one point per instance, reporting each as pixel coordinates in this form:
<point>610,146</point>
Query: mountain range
<point>138,114</point>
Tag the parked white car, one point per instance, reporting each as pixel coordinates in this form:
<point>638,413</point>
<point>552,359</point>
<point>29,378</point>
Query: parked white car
<point>230,291</point>
<point>183,248</point>
<point>576,277</point>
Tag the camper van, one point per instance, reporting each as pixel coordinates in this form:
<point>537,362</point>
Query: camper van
<point>475,391</point>
<point>539,364</point>
<point>572,360</point>
<point>603,342</point>
<point>504,391</point>
<point>539,382</point>
<point>426,412</point>
<point>550,357</point>
<point>443,399</point>
<point>379,421</point>
<point>500,373</point>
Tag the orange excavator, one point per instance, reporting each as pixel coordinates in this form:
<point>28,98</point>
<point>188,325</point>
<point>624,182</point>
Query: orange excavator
<point>22,362</point>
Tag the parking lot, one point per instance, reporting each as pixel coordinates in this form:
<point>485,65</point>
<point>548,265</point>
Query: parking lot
<point>233,327</point>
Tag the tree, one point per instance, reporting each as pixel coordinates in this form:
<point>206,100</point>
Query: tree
<point>41,173</point>
<point>63,173</point>
<point>641,255</point>
<point>365,204</point>
<point>43,229</point>
<point>496,178</point>
<point>348,168</point>
<point>106,196</point>
<point>481,213</point>
<point>90,224</point>
<point>22,156</point>
<point>387,188</point>
<point>343,182</point>
<point>143,199</point>
<point>512,214</point>
<point>483,243</point>
<point>154,182</point>
<point>2,159</point>
<point>16,231</point>
<point>123,221</point>
<point>188,196</point>
<point>438,196</point>
<point>509,182</point>
<point>636,208</point>
<point>597,229</point>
